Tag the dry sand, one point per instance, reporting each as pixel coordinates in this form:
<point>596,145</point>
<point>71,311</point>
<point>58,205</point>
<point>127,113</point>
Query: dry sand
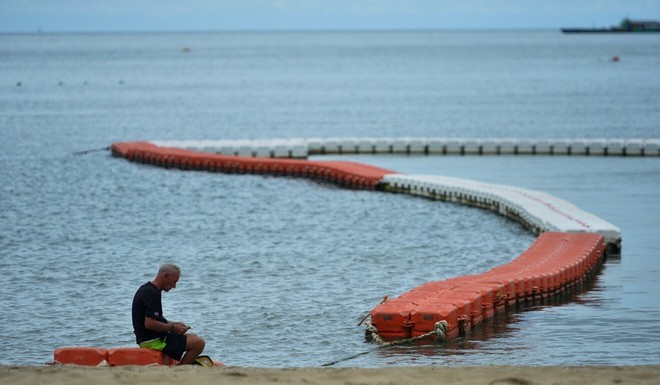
<point>499,375</point>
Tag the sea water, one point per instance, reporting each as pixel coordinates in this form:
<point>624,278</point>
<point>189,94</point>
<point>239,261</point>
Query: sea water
<point>276,272</point>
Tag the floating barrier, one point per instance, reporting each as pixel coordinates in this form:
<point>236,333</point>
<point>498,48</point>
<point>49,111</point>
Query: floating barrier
<point>552,265</point>
<point>303,147</point>
<point>91,356</point>
<point>537,210</point>
<point>345,174</point>
<point>570,247</point>
<point>87,356</point>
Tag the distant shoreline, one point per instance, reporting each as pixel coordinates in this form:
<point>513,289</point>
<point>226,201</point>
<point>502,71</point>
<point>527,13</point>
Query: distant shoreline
<point>602,30</point>
<point>626,26</point>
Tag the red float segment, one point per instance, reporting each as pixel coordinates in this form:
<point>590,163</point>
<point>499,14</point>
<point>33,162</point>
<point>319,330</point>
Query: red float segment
<point>554,262</point>
<point>347,174</point>
<point>424,317</point>
<point>138,356</point>
<point>472,305</point>
<point>392,318</point>
<point>91,356</point>
<point>80,355</point>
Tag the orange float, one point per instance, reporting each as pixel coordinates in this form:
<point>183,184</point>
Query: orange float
<point>138,356</point>
<point>80,355</point>
<point>554,262</point>
<point>123,356</point>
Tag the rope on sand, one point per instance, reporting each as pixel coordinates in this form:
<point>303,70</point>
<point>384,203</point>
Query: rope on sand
<point>371,334</point>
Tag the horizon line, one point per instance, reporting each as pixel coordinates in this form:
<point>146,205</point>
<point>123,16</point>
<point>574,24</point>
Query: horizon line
<point>40,31</point>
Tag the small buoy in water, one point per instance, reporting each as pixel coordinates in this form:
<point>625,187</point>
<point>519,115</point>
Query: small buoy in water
<point>615,59</point>
<point>18,84</point>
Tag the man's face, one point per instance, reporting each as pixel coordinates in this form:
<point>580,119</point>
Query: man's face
<point>170,281</point>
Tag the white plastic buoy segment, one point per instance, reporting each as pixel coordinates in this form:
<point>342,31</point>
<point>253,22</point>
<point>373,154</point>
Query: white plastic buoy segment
<point>471,146</point>
<point>561,146</point>
<point>490,147</point>
<point>436,145</point>
<point>303,147</point>
<point>597,146</point>
<point>365,145</point>
<point>349,145</point>
<point>278,148</point>
<point>543,146</point>
<point>634,146</point>
<point>579,147</point>
<point>526,146</point>
<point>400,145</point>
<point>652,147</point>
<point>537,209</point>
<point>383,145</point>
<point>417,146</point>
<point>616,147</point>
<point>508,146</point>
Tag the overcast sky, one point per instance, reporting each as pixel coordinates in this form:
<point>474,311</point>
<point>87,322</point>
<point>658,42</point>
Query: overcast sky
<point>241,15</point>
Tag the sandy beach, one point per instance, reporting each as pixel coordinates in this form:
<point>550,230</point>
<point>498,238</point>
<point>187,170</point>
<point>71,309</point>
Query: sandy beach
<point>72,375</point>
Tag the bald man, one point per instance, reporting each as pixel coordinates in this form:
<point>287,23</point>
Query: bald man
<point>152,330</point>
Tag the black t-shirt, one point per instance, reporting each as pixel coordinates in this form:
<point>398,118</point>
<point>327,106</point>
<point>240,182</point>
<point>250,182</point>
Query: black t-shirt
<point>147,303</point>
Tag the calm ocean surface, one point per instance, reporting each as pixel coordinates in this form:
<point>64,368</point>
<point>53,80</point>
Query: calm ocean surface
<point>277,271</point>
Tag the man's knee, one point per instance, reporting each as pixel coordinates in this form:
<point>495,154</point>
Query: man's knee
<point>195,342</point>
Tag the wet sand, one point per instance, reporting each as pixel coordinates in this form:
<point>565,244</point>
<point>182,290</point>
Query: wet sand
<point>491,375</point>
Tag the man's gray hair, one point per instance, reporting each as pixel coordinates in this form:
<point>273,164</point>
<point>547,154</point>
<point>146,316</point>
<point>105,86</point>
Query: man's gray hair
<point>169,268</point>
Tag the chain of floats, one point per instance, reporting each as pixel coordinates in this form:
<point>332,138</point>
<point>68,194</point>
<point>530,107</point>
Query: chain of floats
<point>439,334</point>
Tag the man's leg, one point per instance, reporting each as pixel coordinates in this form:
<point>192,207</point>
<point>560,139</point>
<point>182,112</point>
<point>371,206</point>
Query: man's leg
<point>194,347</point>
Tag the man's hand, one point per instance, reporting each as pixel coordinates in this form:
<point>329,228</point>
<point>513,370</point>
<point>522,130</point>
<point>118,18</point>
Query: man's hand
<point>180,328</point>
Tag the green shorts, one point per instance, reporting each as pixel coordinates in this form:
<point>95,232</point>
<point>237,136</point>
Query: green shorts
<point>174,345</point>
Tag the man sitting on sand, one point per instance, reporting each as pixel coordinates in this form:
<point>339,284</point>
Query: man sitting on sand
<point>152,330</point>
